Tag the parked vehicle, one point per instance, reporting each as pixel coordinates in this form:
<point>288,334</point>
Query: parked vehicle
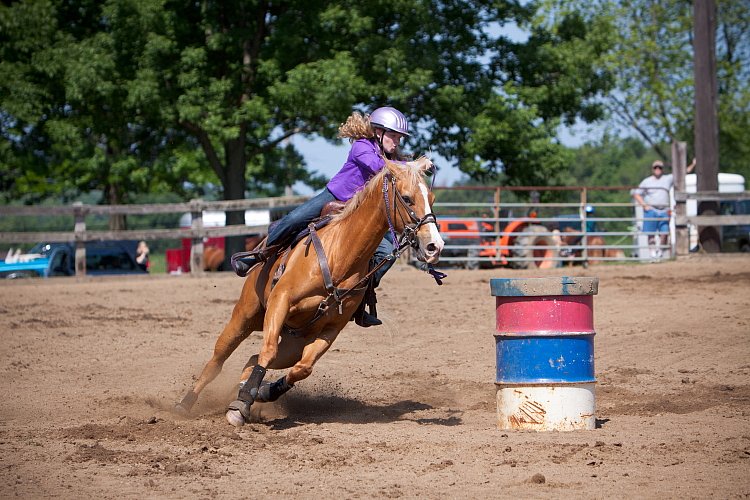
<point>728,183</point>
<point>58,259</point>
<point>735,238</point>
<point>463,238</point>
<point>521,243</point>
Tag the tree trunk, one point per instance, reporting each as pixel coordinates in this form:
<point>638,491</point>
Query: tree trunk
<point>234,189</point>
<point>117,222</point>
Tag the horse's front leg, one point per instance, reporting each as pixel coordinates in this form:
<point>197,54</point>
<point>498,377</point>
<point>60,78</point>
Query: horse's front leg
<point>238,412</point>
<point>306,359</point>
<point>289,353</point>
<point>246,318</point>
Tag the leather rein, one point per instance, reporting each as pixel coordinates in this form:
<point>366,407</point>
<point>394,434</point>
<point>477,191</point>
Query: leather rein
<point>408,238</point>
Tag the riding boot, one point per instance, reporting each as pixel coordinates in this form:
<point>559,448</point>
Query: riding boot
<point>362,317</point>
<point>244,262</point>
<point>367,320</point>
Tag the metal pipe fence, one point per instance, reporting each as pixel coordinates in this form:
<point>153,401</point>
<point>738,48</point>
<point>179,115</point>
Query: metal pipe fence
<point>588,229</point>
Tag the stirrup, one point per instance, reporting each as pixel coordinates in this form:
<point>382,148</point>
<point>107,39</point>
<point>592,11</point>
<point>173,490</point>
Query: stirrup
<point>244,262</point>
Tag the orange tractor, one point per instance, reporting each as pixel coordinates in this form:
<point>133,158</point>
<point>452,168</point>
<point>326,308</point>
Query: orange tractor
<point>522,244</point>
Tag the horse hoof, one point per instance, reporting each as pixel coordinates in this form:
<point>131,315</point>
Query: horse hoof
<point>183,407</point>
<point>238,413</point>
<point>235,418</point>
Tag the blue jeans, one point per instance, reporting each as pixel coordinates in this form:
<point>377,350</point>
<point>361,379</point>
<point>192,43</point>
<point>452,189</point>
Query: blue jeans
<point>285,229</point>
<point>384,248</point>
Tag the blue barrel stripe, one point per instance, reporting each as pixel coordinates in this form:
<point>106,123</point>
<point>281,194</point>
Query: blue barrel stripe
<point>535,359</point>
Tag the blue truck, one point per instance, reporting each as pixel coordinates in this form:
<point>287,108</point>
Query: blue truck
<point>58,259</point>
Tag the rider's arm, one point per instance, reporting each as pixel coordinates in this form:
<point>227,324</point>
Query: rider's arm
<point>367,157</point>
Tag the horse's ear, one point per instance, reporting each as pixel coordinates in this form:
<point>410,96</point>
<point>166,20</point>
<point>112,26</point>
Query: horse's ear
<point>430,170</point>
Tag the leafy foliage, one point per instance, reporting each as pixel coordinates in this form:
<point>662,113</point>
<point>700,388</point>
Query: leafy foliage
<point>651,61</point>
<point>126,97</point>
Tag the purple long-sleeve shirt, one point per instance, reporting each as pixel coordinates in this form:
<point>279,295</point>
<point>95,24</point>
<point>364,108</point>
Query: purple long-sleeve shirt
<point>363,162</point>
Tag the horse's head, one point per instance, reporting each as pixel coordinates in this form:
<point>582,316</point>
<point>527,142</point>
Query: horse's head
<point>409,207</point>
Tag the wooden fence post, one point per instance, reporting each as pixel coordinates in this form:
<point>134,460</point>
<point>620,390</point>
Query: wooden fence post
<point>196,249</point>
<point>79,229</point>
<point>679,170</point>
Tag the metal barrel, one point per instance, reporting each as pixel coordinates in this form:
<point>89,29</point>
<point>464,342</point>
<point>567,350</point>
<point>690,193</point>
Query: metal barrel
<point>544,346</point>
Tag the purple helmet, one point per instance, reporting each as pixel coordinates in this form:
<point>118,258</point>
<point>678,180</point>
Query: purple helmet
<point>390,119</point>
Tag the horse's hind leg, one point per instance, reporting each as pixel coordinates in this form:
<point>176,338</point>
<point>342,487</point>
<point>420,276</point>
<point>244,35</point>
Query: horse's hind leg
<point>246,318</point>
<point>289,353</point>
<point>310,355</point>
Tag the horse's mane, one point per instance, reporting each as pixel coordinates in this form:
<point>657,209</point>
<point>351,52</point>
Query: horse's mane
<point>411,170</point>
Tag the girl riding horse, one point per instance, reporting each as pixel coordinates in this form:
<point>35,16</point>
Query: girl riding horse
<point>302,310</point>
<point>374,139</point>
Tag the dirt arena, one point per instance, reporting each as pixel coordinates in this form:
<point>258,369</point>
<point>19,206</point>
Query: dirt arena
<point>91,369</point>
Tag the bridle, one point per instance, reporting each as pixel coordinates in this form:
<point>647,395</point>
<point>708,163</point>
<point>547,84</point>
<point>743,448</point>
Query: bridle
<point>409,234</point>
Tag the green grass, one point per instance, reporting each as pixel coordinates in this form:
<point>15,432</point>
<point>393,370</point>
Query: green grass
<point>158,263</point>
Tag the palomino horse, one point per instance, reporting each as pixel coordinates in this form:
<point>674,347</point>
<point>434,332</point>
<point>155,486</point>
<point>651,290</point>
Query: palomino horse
<point>303,309</point>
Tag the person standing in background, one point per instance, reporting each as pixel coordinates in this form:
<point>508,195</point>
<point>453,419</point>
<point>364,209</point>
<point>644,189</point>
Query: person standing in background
<point>653,195</point>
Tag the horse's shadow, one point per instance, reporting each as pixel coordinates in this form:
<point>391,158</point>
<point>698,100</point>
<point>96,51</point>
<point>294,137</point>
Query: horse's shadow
<point>303,409</point>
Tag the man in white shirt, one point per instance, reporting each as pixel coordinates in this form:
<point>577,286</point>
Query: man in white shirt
<point>653,195</point>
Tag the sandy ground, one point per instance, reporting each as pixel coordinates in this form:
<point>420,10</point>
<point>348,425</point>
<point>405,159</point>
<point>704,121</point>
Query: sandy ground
<point>91,369</point>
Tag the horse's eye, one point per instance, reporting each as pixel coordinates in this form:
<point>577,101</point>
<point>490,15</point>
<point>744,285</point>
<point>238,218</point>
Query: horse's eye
<point>408,200</point>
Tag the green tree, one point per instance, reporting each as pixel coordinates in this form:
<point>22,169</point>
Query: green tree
<point>651,60</point>
<point>117,96</point>
<point>531,87</point>
<point>66,110</point>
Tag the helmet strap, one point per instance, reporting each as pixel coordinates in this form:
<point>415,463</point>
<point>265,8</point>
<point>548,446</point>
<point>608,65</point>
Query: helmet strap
<point>380,139</point>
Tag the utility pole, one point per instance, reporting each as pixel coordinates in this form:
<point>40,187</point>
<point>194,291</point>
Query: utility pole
<point>706,123</point>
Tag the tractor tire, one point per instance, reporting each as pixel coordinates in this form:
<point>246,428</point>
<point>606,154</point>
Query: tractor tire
<point>538,258</point>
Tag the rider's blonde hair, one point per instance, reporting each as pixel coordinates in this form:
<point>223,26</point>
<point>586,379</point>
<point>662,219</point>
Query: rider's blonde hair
<point>357,126</point>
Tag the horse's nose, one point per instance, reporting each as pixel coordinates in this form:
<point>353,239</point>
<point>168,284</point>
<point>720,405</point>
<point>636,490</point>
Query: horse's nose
<point>436,245</point>
<point>432,252</point>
